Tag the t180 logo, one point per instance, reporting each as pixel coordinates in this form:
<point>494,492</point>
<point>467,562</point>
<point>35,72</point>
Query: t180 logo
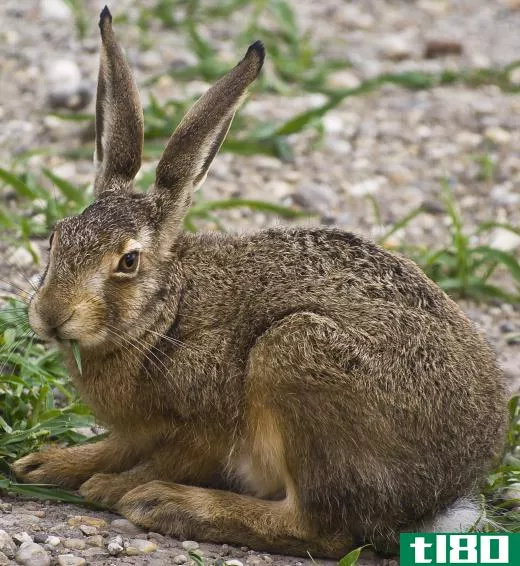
<point>451,549</point>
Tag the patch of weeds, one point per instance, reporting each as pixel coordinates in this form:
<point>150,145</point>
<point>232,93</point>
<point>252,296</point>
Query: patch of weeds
<point>196,558</point>
<point>38,403</point>
<point>351,559</point>
<point>487,167</point>
<point>502,492</point>
<point>462,268</point>
<point>43,200</point>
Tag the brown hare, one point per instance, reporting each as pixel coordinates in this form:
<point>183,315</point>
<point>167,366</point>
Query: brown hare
<point>292,390</point>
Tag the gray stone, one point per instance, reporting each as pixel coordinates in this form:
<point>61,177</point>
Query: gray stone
<point>125,527</point>
<point>74,544</point>
<point>114,548</point>
<point>32,554</point>
<point>95,540</point>
<point>63,77</point>
<point>507,327</point>
<point>53,540</point>
<point>3,559</point>
<point>190,545</point>
<point>316,197</point>
<point>20,538</point>
<point>56,10</point>
<point>180,559</point>
<point>88,530</point>
<point>7,545</point>
<point>94,551</point>
<point>70,560</point>
<point>396,47</point>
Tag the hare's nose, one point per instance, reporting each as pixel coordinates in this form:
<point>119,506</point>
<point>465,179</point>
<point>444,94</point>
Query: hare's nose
<point>54,321</point>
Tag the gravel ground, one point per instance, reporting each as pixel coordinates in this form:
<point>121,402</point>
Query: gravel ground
<point>393,145</point>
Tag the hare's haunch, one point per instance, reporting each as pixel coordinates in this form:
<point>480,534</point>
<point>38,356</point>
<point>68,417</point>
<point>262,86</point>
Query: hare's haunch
<point>293,390</point>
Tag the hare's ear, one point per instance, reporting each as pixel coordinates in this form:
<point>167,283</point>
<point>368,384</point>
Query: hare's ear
<point>119,117</point>
<point>192,147</point>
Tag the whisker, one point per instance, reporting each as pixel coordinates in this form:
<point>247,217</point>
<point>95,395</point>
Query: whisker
<point>145,353</point>
<point>11,284</point>
<point>20,272</point>
<point>170,339</point>
<point>138,360</point>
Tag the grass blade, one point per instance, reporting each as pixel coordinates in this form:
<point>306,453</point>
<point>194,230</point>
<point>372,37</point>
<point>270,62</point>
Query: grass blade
<point>283,211</point>
<point>18,185</point>
<point>68,190</point>
<point>76,353</point>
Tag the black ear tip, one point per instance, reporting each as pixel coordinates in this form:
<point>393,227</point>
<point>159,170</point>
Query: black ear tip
<point>105,16</point>
<point>258,49</point>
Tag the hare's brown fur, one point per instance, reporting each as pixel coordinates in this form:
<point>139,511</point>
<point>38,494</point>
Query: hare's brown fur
<point>291,390</point>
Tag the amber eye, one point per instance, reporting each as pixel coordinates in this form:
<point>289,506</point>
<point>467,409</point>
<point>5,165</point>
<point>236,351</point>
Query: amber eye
<point>129,263</point>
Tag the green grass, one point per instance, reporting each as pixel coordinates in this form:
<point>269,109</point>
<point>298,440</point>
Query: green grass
<point>463,268</point>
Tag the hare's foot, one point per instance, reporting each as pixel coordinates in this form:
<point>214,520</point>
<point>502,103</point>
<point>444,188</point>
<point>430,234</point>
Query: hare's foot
<point>51,465</point>
<point>221,516</point>
<point>225,517</point>
<point>70,467</point>
<point>107,489</point>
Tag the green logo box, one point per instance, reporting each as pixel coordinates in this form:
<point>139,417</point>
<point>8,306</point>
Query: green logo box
<point>446,549</point>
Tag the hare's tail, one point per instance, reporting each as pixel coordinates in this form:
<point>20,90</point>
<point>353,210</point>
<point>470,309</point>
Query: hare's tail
<point>461,516</point>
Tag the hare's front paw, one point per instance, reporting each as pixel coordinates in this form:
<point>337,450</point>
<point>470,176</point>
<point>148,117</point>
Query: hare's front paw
<point>48,466</point>
<point>105,489</point>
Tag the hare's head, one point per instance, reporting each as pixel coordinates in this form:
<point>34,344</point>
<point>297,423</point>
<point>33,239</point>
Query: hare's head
<point>107,265</point>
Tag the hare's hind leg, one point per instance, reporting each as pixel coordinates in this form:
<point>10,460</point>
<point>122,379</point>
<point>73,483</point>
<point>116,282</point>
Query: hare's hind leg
<point>189,512</point>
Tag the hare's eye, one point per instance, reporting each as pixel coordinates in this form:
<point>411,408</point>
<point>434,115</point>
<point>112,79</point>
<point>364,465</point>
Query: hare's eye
<point>129,262</point>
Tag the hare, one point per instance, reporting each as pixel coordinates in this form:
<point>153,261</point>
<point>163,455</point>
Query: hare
<point>292,390</point>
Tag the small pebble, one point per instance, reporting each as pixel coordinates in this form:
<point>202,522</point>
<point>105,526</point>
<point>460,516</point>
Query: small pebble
<point>70,560</point>
<point>94,551</point>
<point>441,48</point>
<point>88,530</point>
<point>20,538</point>
<point>139,546</point>
<point>190,545</point>
<point>506,327</point>
<point>7,545</point>
<point>32,554</point>
<point>95,540</point>
<point>180,559</point>
<point>234,562</point>
<point>498,135</point>
<point>125,527</point>
<point>114,548</point>
<point>74,544</point>
<point>52,540</point>
<point>78,520</point>
<point>224,549</point>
